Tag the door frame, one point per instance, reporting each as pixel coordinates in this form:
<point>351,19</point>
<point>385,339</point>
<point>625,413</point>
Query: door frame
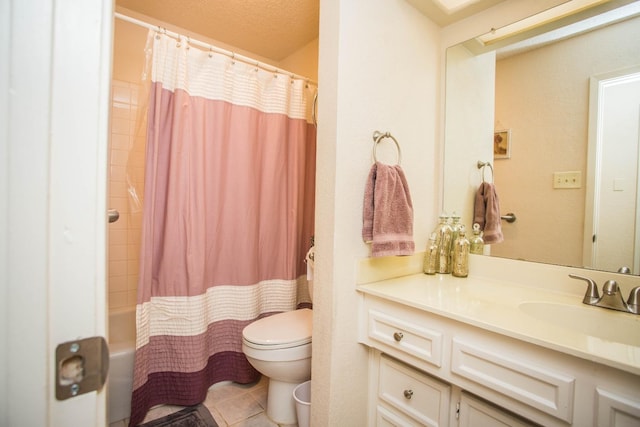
<point>55,73</point>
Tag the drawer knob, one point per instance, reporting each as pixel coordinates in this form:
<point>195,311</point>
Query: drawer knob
<point>397,336</point>
<point>408,394</point>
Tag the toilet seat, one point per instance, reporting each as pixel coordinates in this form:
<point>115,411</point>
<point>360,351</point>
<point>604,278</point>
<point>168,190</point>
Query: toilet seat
<point>282,330</point>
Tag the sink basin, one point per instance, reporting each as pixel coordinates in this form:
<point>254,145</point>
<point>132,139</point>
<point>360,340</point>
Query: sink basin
<point>608,325</point>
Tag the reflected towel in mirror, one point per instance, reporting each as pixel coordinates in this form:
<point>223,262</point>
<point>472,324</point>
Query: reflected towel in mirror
<point>486,212</point>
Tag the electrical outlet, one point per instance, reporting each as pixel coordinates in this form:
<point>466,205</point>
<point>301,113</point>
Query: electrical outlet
<point>569,179</point>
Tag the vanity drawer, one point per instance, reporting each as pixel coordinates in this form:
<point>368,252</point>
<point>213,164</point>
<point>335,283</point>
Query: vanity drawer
<point>421,397</point>
<point>400,334</point>
<point>387,417</point>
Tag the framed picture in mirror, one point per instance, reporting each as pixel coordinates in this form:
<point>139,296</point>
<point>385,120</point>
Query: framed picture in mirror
<point>502,144</point>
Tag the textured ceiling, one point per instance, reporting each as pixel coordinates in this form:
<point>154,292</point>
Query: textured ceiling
<point>272,29</point>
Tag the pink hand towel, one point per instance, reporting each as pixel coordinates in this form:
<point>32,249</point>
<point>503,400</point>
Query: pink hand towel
<point>388,212</point>
<point>486,212</point>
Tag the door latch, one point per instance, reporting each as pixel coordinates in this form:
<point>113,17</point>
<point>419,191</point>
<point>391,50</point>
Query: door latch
<point>81,367</point>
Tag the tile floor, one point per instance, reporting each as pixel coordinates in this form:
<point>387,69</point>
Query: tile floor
<point>231,404</point>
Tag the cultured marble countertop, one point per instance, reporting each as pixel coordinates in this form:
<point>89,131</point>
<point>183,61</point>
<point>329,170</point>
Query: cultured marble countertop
<point>592,333</point>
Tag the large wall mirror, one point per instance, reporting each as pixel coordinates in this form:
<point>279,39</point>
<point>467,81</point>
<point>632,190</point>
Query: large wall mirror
<point>565,96</point>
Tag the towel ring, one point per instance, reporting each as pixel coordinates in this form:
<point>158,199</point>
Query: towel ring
<point>379,136</point>
<point>481,165</point>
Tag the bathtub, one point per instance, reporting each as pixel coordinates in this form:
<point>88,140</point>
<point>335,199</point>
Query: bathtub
<point>122,344</point>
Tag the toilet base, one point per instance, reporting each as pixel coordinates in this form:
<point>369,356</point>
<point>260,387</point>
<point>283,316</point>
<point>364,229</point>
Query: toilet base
<point>281,407</point>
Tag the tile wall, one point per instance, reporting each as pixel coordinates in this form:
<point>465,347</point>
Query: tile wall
<point>126,188</point>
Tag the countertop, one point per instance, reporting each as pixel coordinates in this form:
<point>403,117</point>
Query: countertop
<point>597,334</point>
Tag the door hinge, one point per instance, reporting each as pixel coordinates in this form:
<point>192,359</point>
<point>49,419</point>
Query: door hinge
<point>457,410</point>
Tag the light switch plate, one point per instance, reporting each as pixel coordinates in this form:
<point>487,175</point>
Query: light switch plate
<point>568,179</point>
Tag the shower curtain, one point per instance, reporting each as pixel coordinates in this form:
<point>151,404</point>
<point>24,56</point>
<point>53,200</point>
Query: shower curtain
<point>227,217</point>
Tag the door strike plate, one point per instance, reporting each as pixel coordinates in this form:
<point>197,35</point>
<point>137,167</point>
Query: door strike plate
<point>81,367</point>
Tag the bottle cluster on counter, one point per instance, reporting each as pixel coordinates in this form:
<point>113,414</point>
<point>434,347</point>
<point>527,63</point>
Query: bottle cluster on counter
<point>448,248</point>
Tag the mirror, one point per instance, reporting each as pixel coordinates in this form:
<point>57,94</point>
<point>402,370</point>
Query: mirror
<point>537,92</point>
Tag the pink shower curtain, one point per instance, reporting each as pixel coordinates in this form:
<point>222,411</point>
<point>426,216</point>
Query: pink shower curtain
<point>228,217</point>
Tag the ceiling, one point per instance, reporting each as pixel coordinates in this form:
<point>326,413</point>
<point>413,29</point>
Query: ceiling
<point>273,29</point>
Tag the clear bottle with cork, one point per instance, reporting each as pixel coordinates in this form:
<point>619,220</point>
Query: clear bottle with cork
<point>455,225</point>
<point>455,230</point>
<point>477,243</point>
<point>444,236</point>
<point>431,256</point>
<point>460,255</point>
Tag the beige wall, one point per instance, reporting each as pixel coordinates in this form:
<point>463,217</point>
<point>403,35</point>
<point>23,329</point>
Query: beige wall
<point>543,97</point>
<point>379,70</point>
<point>127,144</point>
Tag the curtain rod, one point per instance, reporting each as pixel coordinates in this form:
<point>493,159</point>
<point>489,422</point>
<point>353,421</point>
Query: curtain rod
<point>213,48</point>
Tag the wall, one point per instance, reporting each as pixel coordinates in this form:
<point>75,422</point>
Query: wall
<point>543,97</point>
<point>379,67</point>
<point>127,146</point>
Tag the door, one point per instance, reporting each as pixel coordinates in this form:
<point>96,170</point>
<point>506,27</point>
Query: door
<point>55,60</point>
<point>612,231</point>
<point>474,412</point>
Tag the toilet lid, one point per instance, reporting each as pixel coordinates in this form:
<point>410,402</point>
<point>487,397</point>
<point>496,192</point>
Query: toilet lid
<point>291,327</point>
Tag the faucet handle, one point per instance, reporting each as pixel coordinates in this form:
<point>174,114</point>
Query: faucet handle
<point>591,296</point>
<point>634,300</point>
<point>624,270</point>
<point>610,287</point>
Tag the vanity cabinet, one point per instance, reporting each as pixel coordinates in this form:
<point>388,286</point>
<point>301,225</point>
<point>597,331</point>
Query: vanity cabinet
<point>430,369</point>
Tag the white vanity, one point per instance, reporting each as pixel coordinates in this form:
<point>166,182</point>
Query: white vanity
<point>489,351</point>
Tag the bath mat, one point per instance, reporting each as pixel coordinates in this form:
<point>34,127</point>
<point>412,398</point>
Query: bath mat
<point>192,416</point>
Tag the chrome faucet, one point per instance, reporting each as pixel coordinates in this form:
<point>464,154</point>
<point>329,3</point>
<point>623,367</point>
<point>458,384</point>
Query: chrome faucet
<point>612,297</point>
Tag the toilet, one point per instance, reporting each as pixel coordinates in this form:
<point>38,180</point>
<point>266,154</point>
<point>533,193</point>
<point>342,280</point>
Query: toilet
<point>279,347</point>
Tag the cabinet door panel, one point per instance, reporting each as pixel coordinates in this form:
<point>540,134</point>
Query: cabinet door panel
<point>615,410</point>
<point>477,413</point>
<point>538,386</point>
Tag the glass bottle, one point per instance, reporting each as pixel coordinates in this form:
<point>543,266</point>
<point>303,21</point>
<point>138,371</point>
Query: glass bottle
<point>477,244</point>
<point>460,259</point>
<point>455,230</point>
<point>431,256</point>
<point>455,226</point>
<point>443,238</point>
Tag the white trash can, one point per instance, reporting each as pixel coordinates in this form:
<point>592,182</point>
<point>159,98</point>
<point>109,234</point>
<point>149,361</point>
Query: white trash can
<point>302,396</point>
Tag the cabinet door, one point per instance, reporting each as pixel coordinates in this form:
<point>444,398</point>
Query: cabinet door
<point>477,413</point>
<point>616,410</point>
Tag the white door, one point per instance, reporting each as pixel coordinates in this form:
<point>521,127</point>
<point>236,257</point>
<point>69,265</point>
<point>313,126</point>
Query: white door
<point>55,61</point>
<point>611,229</point>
